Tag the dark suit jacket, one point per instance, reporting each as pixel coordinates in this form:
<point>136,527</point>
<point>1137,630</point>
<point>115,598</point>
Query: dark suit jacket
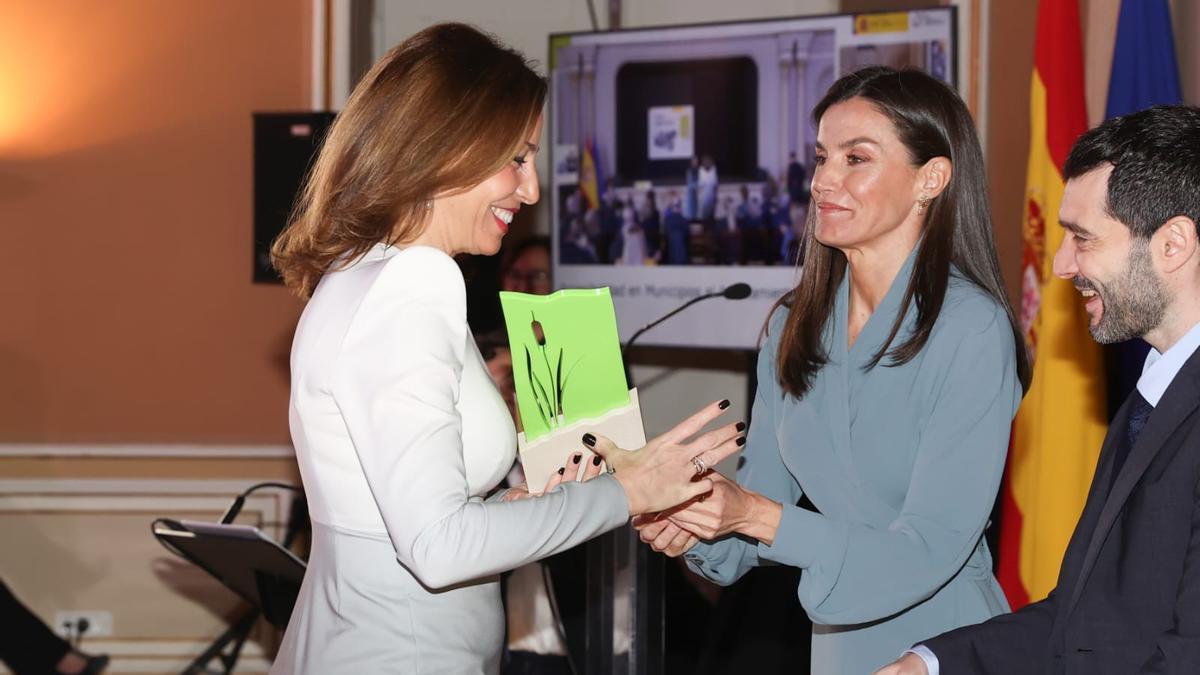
<point>1128,594</point>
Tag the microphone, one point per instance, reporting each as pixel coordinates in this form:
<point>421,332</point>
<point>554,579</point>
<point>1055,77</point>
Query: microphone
<point>738,291</point>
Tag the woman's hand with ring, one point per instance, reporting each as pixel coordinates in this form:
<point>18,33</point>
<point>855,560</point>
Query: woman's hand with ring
<point>663,473</point>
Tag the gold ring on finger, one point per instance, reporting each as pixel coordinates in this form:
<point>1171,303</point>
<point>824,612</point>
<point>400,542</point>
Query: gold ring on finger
<point>701,467</point>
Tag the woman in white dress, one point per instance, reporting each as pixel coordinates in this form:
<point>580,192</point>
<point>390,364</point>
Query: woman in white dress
<point>634,250</point>
<point>398,431</point>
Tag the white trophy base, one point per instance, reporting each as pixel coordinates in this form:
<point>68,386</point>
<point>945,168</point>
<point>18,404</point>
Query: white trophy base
<point>542,458</point>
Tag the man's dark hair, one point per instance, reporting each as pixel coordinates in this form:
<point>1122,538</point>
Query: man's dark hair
<point>1155,155</point>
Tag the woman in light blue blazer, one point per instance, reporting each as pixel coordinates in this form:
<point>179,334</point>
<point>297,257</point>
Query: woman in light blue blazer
<point>887,384</point>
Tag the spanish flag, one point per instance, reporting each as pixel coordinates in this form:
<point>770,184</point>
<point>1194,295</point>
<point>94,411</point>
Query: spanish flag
<point>589,175</point>
<point>1061,424</point>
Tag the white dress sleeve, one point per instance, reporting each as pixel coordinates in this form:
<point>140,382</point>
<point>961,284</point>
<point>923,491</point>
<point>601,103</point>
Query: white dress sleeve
<point>397,380</point>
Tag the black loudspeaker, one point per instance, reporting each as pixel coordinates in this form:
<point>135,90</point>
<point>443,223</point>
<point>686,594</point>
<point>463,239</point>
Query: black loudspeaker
<point>285,145</point>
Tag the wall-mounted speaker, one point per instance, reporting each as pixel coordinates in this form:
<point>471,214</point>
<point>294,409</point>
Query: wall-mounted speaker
<point>285,145</point>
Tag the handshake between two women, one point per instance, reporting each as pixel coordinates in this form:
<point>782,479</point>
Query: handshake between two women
<point>675,495</point>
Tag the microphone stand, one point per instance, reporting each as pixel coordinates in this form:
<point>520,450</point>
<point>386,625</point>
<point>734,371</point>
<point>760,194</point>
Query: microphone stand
<point>736,291</point>
<point>664,317</point>
<point>645,578</point>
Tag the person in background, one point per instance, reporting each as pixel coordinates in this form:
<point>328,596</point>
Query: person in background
<point>707,183</point>
<point>691,198</point>
<point>724,231</point>
<point>29,647</point>
<point>797,181</point>
<point>887,385</point>
<point>675,224</point>
<point>751,235</point>
<point>633,238</point>
<point>571,212</point>
<point>527,267</point>
<point>608,244</point>
<point>575,247</point>
<point>651,222</point>
<point>770,187</point>
<point>797,222</point>
<point>776,223</point>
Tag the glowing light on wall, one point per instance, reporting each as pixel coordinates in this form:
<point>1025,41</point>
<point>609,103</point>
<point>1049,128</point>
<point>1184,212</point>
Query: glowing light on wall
<point>67,73</point>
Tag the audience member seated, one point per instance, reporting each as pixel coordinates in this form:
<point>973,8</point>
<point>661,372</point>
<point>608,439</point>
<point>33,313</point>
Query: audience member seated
<point>651,223</point>
<point>608,242</point>
<point>676,227</point>
<point>29,647</point>
<point>527,267</point>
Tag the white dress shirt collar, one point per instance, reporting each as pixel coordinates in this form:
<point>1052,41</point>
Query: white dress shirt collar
<point>1160,369</point>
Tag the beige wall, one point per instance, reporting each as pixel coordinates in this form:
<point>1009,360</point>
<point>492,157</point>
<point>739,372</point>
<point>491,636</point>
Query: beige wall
<point>127,315</point>
<point>125,219</point>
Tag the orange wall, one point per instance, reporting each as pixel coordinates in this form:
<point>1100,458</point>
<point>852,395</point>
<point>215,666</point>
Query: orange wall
<point>126,308</point>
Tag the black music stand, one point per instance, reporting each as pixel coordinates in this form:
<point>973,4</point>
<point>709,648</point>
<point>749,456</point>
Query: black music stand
<point>262,572</point>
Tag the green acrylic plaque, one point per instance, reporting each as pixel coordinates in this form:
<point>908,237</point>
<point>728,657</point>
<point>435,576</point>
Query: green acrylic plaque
<point>566,357</point>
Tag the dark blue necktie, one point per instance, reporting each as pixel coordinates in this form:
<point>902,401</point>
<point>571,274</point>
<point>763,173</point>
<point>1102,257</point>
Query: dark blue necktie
<point>1139,413</point>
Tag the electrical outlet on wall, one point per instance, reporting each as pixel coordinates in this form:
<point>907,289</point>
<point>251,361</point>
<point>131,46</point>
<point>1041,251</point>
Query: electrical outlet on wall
<point>99,623</point>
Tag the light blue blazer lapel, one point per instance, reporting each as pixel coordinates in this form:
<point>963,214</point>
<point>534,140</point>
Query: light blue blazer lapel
<point>849,365</point>
<point>877,328</point>
<point>838,371</point>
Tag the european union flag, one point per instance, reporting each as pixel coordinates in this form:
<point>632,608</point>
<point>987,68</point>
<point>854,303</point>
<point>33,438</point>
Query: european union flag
<point>1144,73</point>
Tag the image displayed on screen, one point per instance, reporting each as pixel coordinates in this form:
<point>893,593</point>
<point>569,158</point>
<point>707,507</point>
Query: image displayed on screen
<point>671,132</point>
<point>928,56</point>
<point>682,156</point>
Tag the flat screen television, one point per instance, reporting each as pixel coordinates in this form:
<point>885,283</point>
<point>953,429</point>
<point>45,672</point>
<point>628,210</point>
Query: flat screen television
<point>681,156</point>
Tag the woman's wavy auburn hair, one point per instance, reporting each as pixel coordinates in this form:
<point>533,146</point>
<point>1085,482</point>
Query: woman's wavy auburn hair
<point>931,121</point>
<point>440,113</point>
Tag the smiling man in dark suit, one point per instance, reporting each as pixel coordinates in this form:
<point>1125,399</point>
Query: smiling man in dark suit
<point>1128,593</point>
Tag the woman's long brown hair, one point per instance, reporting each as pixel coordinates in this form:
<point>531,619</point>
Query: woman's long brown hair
<point>931,121</point>
<point>441,112</point>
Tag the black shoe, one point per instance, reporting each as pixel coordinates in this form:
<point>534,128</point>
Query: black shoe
<point>94,664</point>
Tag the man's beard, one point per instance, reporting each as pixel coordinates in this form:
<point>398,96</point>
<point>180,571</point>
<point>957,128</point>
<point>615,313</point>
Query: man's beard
<point>1134,303</point>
